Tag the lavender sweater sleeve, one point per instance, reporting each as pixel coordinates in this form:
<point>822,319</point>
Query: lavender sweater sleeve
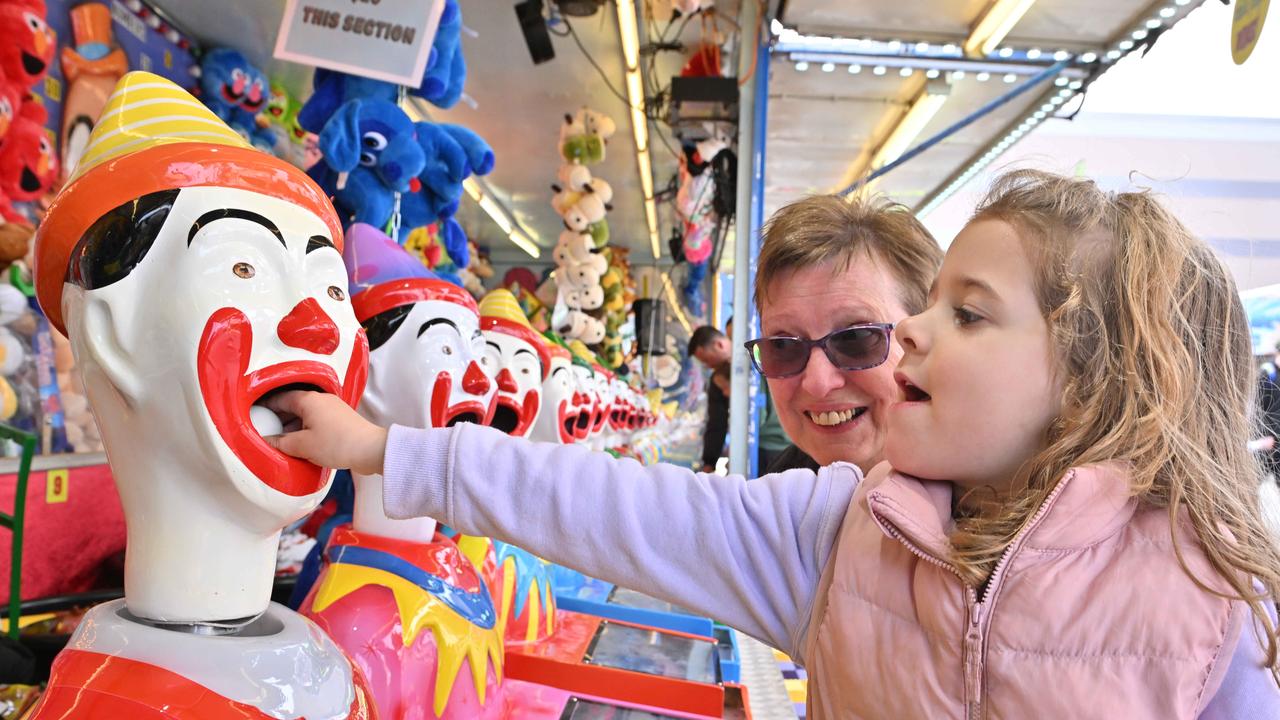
<point>1248,690</point>
<point>749,554</point>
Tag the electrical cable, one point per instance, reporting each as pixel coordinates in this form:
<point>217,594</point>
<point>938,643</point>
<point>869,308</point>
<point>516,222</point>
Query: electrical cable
<point>599,70</point>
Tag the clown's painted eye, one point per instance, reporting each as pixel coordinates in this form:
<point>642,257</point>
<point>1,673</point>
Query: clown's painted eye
<point>336,293</point>
<point>243,270</point>
<point>447,350</point>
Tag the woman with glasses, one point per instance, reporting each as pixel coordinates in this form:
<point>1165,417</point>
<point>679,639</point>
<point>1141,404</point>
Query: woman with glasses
<point>833,278</point>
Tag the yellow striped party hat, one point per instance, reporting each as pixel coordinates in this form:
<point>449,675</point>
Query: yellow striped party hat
<point>146,110</point>
<point>500,312</point>
<point>155,136</point>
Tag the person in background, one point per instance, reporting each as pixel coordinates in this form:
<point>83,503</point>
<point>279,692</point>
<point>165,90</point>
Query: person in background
<point>711,348</point>
<point>1267,445</point>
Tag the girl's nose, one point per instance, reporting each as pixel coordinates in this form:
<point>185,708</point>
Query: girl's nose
<point>909,334</point>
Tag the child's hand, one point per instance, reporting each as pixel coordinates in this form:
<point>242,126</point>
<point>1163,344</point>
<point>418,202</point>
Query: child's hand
<point>332,435</point>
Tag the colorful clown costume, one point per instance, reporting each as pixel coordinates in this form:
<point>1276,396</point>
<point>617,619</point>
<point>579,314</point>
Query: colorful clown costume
<point>431,646</point>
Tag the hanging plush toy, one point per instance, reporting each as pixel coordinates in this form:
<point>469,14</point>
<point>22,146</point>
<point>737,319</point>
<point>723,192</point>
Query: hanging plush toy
<point>370,153</point>
<point>583,136</point>
<point>28,163</point>
<point>28,45</point>
<point>237,92</point>
<point>281,115</point>
<point>452,153</point>
<point>447,71</point>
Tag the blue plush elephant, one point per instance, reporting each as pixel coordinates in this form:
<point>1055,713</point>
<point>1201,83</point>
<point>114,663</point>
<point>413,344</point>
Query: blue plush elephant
<point>442,81</point>
<point>371,152</point>
<point>237,92</point>
<point>453,153</point>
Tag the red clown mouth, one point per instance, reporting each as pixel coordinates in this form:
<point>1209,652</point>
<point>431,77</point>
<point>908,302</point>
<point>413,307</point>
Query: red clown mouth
<point>229,392</point>
<point>598,416</point>
<point>582,424</point>
<point>515,418</point>
<point>564,422</point>
<point>445,415</point>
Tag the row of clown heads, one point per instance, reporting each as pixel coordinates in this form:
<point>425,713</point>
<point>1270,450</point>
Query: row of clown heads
<point>196,277</point>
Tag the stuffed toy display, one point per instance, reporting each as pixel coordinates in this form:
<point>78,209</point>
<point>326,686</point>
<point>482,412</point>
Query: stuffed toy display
<point>25,53</point>
<point>28,162</point>
<point>281,115</point>
<point>584,278</point>
<point>236,92</point>
<point>29,43</point>
<point>370,153</point>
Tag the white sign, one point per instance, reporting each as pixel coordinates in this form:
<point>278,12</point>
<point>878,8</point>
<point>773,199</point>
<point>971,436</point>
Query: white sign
<point>382,39</point>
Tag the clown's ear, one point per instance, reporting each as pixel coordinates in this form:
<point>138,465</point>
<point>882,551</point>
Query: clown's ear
<point>96,323</point>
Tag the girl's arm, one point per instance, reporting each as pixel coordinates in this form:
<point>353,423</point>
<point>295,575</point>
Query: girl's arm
<point>749,554</point>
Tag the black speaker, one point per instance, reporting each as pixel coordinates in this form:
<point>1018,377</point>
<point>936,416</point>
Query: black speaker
<point>534,28</point>
<point>651,326</point>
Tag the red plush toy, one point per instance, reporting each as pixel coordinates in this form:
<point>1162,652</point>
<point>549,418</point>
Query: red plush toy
<point>29,42</point>
<point>28,164</point>
<point>10,100</point>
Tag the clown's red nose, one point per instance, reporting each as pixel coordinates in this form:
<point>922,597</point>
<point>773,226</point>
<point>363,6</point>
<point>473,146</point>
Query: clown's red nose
<point>507,383</point>
<point>307,327</point>
<point>474,380</point>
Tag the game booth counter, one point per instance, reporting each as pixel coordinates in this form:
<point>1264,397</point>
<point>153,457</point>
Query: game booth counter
<point>195,221</point>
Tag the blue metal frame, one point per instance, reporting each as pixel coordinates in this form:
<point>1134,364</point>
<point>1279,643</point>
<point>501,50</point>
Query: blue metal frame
<point>756,221</point>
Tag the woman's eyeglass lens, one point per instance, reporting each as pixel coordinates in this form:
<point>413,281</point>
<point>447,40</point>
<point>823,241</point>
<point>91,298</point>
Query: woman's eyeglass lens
<point>859,347</point>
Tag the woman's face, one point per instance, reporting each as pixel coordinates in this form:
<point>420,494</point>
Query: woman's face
<point>809,303</point>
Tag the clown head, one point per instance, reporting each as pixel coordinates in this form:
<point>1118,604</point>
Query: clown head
<point>621,407</point>
<point>604,398</point>
<point>555,424</point>
<point>428,365</point>
<point>523,360</point>
<point>195,279</point>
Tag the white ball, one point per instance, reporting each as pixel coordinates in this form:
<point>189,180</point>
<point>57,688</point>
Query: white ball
<point>266,422</point>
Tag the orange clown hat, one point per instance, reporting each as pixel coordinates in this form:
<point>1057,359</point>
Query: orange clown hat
<point>500,312</point>
<point>154,136</point>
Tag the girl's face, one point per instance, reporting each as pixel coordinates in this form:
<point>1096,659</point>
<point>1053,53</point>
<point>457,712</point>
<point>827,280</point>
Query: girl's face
<point>976,380</point>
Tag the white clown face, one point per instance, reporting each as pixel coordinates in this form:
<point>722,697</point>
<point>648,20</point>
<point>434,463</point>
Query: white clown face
<point>603,402</point>
<point>519,382</point>
<point>433,371</point>
<point>620,408</point>
<point>555,422</point>
<point>584,401</point>
<point>240,296</point>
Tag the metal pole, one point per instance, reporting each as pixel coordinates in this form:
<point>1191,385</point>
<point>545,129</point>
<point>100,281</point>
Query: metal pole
<point>740,405</point>
<point>761,80</point>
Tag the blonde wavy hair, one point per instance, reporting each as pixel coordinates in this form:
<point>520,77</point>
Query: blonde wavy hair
<point>1153,350</point>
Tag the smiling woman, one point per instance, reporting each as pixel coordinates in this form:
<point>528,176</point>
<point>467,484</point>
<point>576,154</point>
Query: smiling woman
<point>867,264</point>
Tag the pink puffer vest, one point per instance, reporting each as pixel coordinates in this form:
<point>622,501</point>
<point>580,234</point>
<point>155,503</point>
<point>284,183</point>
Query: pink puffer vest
<point>1088,615</point>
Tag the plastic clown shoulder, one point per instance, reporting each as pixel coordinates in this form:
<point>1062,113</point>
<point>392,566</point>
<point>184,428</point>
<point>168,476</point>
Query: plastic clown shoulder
<point>279,666</point>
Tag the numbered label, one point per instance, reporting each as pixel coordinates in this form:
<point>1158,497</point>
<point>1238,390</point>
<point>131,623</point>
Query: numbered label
<point>56,486</point>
